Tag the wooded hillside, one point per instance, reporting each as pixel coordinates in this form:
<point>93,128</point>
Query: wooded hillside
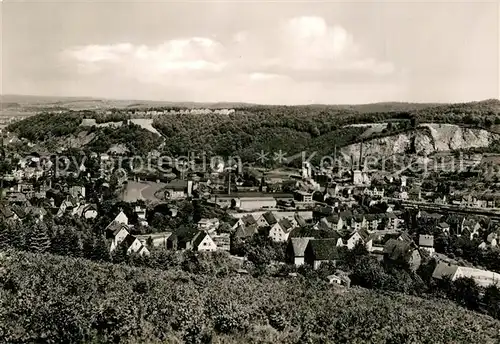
<point>51,299</point>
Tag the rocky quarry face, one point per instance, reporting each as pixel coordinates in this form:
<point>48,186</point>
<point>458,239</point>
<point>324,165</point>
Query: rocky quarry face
<point>433,138</point>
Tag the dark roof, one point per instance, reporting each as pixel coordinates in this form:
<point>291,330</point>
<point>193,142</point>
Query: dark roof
<point>270,218</point>
<point>324,210</point>
<point>129,240</point>
<point>115,227</point>
<point>345,215</point>
<point>324,249</point>
<point>187,235</point>
<point>300,220</point>
<point>198,238</point>
<point>333,219</point>
<point>177,184</point>
<point>397,250</point>
<point>90,207</point>
<point>172,238</point>
<point>323,226</point>
<point>371,217</point>
<point>299,245</point>
<point>286,225</point>
<point>334,235</point>
<point>402,236</point>
<point>246,231</point>
<point>358,218</point>
<point>364,234</point>
<point>248,220</point>
<point>391,215</point>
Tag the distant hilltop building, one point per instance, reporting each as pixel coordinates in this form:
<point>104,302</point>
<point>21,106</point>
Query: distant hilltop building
<point>185,112</point>
<point>141,113</point>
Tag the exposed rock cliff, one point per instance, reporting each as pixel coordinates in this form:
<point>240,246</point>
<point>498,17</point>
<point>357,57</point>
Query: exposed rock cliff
<point>426,140</point>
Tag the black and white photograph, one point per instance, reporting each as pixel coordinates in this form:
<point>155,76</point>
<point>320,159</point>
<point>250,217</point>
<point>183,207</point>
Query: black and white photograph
<point>249,172</point>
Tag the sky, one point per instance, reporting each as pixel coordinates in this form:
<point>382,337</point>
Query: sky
<point>279,52</point>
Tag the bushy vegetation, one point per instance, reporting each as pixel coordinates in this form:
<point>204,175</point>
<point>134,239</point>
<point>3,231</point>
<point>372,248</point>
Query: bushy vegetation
<point>248,131</point>
<point>299,128</point>
<point>49,299</point>
<point>291,129</point>
<point>137,140</point>
<point>47,125</point>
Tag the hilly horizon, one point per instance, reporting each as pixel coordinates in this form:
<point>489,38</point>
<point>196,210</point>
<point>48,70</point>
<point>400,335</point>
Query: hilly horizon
<point>13,101</point>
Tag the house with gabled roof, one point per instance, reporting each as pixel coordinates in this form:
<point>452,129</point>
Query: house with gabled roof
<point>132,243</point>
<point>267,220</point>
<point>358,222</point>
<point>335,222</point>
<point>203,242</point>
<point>376,240</point>
<point>117,232</point>
<point>470,228</point>
<point>483,278</point>
<point>320,251</point>
<point>402,252</point>
<point>67,206</point>
<point>208,225</point>
<point>120,218</point>
<point>155,239</point>
<point>322,225</point>
<point>246,231</point>
<point>339,278</point>
<point>178,189</point>
<point>89,211</point>
<point>373,221</point>
<point>360,235</point>
<point>296,250</point>
<point>444,227</point>
<point>393,221</point>
<point>280,231</point>
<point>246,220</point>
<point>426,242</point>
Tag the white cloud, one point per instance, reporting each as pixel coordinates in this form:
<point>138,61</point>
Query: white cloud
<point>264,76</point>
<point>151,63</point>
<point>298,52</point>
<point>311,44</point>
<point>97,53</point>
